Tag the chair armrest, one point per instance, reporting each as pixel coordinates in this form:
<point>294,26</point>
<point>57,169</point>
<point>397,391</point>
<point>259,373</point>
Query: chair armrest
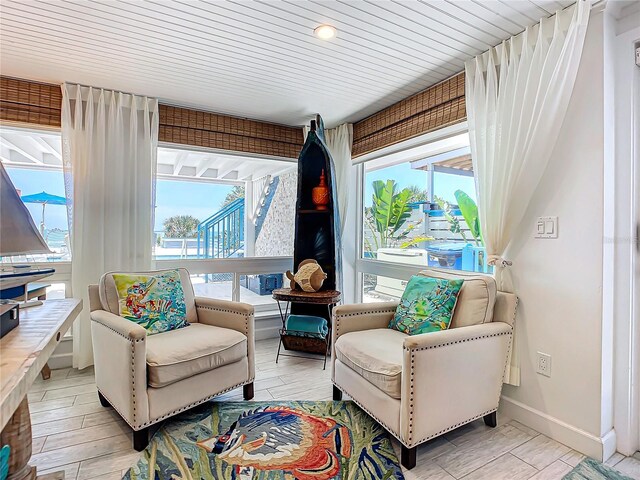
<point>462,369</point>
<point>120,357</point>
<point>119,325</point>
<point>233,315</point>
<point>361,316</point>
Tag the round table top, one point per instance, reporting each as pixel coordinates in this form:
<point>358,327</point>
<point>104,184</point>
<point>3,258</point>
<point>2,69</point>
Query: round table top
<point>323,297</point>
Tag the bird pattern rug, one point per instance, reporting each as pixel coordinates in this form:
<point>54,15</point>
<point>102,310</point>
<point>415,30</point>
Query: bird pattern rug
<point>269,441</point>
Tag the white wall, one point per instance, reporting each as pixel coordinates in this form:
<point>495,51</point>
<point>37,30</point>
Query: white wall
<point>560,281</point>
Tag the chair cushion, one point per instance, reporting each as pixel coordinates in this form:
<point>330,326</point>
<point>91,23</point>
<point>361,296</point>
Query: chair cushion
<point>178,354</point>
<point>109,293</point>
<point>426,305</point>
<point>375,355</point>
<point>476,298</point>
<point>154,301</point>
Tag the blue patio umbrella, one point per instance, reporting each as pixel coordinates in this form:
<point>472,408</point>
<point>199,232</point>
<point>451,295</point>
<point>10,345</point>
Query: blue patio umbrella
<point>45,199</point>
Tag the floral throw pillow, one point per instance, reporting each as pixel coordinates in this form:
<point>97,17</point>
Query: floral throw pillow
<point>426,305</point>
<point>154,301</point>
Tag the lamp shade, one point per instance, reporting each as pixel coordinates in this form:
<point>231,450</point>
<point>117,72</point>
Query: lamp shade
<point>18,234</point>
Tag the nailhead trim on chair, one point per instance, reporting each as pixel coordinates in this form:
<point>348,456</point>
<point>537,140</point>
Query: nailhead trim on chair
<point>337,318</point>
<point>370,414</point>
<point>453,427</point>
<point>174,412</point>
<point>235,312</point>
<point>411,379</point>
<point>119,333</point>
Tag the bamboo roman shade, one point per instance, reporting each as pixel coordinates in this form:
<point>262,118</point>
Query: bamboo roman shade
<point>23,101</point>
<point>436,107</point>
<point>204,129</point>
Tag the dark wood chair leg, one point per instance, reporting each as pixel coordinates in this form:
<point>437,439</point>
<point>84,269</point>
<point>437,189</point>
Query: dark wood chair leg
<point>103,401</point>
<point>140,439</point>
<point>337,394</point>
<point>491,420</point>
<point>247,391</point>
<point>408,456</point>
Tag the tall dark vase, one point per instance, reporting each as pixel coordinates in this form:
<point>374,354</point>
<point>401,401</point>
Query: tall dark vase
<point>317,234</point>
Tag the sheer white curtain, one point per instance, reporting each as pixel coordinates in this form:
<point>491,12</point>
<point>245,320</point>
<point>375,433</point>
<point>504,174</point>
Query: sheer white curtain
<point>517,96</point>
<point>109,142</point>
<point>339,142</point>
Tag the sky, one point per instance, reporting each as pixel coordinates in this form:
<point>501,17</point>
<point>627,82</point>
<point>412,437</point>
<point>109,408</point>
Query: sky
<point>444,184</point>
<point>200,200</point>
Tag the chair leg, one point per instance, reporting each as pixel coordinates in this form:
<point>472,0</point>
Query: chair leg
<point>140,439</point>
<point>408,456</point>
<point>491,420</point>
<point>247,391</point>
<point>337,393</point>
<point>103,401</point>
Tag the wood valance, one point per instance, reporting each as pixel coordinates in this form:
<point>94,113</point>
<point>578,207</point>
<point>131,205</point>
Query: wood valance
<point>436,107</point>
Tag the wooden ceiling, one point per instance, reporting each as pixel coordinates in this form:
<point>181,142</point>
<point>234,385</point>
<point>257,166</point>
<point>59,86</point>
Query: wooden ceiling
<point>258,59</point>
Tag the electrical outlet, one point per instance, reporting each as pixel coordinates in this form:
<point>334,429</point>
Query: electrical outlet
<point>544,364</point>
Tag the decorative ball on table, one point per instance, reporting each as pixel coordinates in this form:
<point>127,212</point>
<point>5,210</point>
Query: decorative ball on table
<point>309,276</point>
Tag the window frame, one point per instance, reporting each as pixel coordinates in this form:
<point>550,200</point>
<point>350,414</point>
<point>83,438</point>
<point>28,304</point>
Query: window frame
<point>406,151</point>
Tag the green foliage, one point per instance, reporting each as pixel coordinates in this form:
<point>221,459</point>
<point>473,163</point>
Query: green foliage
<point>236,192</point>
<point>181,226</point>
<point>388,217</point>
<point>469,211</point>
<point>454,223</point>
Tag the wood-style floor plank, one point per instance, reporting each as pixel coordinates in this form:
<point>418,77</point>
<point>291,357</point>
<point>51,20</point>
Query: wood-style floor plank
<point>74,433</point>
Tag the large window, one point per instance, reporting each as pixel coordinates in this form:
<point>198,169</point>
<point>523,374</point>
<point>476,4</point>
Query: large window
<point>34,164</point>
<point>420,211</point>
<point>214,206</point>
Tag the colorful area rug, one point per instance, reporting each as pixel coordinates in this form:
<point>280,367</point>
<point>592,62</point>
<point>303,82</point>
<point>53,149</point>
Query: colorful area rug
<point>269,441</point>
<point>590,469</point>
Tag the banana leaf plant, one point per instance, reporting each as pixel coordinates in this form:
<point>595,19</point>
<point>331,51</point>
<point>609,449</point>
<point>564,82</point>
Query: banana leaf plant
<point>469,211</point>
<point>388,217</point>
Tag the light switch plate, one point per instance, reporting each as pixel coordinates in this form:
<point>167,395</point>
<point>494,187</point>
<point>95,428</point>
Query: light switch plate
<point>546,227</point>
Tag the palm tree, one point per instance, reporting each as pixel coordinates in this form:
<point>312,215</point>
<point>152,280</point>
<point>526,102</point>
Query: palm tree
<point>181,226</point>
<point>236,192</point>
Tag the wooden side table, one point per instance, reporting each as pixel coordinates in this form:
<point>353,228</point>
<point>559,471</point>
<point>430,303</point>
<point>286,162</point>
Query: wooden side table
<point>330,298</point>
<point>25,350</point>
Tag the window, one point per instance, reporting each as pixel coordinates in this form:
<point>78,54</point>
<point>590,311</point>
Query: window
<point>420,210</point>
<point>34,163</point>
<point>214,206</point>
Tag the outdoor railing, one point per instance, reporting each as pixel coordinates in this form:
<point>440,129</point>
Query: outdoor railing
<point>222,234</point>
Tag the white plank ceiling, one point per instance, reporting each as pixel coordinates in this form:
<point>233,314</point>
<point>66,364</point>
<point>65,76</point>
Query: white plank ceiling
<point>258,59</point>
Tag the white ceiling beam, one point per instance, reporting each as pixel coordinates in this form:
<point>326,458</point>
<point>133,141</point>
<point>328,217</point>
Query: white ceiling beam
<point>228,168</point>
<point>233,175</point>
<point>180,159</point>
<point>46,148</point>
<point>204,165</point>
<point>28,155</point>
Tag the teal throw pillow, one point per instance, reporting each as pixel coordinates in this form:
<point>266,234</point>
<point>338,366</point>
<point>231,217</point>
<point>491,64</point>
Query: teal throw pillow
<point>153,300</point>
<point>426,305</point>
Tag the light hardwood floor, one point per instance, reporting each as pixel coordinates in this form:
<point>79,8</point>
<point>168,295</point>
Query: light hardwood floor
<point>74,433</point>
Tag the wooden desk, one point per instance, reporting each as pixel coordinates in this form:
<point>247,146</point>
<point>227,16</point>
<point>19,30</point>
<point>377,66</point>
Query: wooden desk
<point>23,353</point>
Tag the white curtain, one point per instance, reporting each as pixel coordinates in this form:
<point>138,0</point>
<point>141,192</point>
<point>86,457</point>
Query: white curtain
<point>517,96</point>
<point>339,141</point>
<point>109,142</point>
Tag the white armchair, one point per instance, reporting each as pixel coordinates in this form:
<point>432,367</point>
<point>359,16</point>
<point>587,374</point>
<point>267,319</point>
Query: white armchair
<point>419,387</point>
<point>149,378</point>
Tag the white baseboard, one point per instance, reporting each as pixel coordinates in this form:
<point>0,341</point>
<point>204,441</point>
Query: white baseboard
<point>268,327</point>
<point>576,438</point>
<point>62,356</point>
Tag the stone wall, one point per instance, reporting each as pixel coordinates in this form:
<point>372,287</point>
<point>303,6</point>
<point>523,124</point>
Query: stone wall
<point>277,232</point>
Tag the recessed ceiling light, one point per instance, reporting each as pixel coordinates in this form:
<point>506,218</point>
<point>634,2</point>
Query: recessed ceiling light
<point>325,32</point>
